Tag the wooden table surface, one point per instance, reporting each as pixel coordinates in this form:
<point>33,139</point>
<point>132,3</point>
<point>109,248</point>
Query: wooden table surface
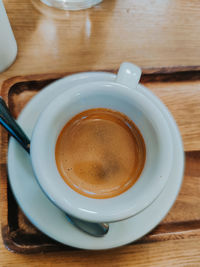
<point>149,33</point>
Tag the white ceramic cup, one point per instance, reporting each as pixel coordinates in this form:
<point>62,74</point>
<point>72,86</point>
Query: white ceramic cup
<point>124,96</point>
<point>8,45</point>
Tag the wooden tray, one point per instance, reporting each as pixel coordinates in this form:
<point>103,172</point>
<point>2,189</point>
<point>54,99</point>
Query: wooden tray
<point>179,90</point>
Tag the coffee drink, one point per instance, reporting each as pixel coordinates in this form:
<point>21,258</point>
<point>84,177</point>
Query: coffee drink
<point>100,153</point>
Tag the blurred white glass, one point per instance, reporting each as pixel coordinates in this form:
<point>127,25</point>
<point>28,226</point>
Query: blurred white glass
<point>71,4</point>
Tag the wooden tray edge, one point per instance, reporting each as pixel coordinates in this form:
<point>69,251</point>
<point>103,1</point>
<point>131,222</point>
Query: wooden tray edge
<point>7,84</point>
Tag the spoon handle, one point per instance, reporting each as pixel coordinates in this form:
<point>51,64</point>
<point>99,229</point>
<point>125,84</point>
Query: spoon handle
<point>9,123</point>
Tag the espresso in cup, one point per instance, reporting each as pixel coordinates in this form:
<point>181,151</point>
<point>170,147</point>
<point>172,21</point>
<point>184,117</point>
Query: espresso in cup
<point>100,153</point>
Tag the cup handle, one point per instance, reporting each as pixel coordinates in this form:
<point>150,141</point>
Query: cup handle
<point>129,75</point>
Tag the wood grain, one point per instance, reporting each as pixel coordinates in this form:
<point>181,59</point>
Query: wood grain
<point>149,33</point>
<point>183,101</point>
<point>162,254</point>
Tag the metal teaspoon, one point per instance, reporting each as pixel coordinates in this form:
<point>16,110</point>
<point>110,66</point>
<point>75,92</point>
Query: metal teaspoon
<point>9,123</point>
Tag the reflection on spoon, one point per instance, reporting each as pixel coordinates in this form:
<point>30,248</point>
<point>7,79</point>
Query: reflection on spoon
<point>95,229</point>
<point>9,123</point>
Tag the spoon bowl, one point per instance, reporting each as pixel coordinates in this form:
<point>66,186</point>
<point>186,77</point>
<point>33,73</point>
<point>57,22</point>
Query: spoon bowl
<point>9,123</point>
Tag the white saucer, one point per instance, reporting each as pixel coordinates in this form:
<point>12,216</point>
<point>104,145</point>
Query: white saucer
<point>52,221</point>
